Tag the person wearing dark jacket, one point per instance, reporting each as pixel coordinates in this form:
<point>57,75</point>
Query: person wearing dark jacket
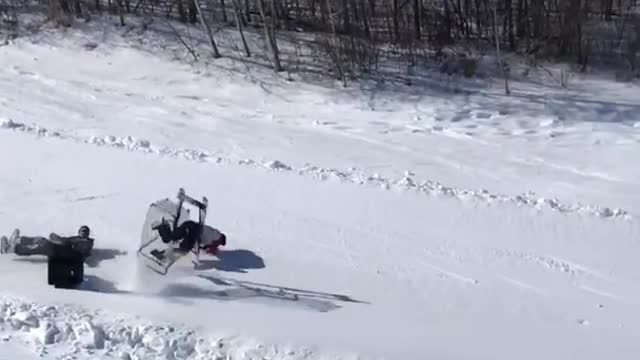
<point>188,236</point>
<point>39,245</point>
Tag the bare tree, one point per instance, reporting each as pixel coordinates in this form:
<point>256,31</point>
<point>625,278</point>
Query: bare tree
<point>120,12</point>
<point>270,33</point>
<point>205,25</point>
<point>223,7</point>
<point>417,20</point>
<point>579,31</point>
<point>236,10</point>
<point>503,66</point>
<point>184,43</point>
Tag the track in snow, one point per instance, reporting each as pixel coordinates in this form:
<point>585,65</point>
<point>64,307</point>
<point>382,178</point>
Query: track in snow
<point>429,187</point>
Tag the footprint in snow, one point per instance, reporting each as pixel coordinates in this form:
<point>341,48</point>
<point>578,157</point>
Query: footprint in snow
<point>26,73</point>
<point>382,123</point>
<point>528,132</point>
<point>416,130</point>
<point>190,97</point>
<point>392,129</point>
<point>583,322</point>
<point>483,115</point>
<point>555,134</point>
<point>342,127</point>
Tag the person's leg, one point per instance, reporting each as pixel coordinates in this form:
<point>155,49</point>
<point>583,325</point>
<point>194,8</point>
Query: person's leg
<point>8,244</point>
<point>189,232</point>
<point>168,236</point>
<point>32,245</point>
<point>164,230</point>
<point>24,245</point>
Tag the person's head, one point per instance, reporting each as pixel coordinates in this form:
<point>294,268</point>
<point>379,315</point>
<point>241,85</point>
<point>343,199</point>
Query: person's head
<point>84,231</point>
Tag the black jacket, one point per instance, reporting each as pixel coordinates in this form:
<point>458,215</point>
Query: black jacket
<point>82,245</point>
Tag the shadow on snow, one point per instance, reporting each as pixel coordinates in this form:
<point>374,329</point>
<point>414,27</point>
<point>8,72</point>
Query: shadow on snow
<point>237,260</point>
<point>227,289</point>
<point>221,288</point>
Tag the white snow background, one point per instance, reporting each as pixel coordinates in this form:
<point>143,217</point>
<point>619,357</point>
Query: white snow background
<point>376,221</point>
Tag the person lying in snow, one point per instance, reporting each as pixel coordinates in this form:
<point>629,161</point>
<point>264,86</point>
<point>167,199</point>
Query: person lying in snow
<point>39,245</point>
<point>187,236</point>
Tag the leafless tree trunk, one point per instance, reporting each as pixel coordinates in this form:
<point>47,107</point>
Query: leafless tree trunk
<point>510,29</point>
<point>501,66</point>
<point>269,32</point>
<point>193,12</point>
<point>274,40</point>
<point>224,11</point>
<point>247,10</point>
<point>365,17</point>
<point>184,43</point>
<point>77,7</point>
<point>205,25</point>
<point>396,19</point>
<point>333,45</point>
<point>120,12</point>
<point>236,9</point>
<point>417,23</point>
<point>345,17</point>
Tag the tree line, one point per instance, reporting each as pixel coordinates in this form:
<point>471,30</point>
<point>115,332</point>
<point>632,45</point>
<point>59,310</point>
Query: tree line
<point>356,32</point>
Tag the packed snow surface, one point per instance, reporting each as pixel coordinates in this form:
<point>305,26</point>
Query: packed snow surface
<point>379,221</point>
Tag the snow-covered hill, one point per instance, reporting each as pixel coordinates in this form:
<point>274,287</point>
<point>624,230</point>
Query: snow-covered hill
<point>373,222</point>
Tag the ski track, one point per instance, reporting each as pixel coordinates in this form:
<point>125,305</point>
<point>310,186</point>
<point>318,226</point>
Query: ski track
<point>72,332</point>
<point>521,285</point>
<point>552,263</point>
<point>450,274</point>
<point>601,293</point>
<point>429,187</point>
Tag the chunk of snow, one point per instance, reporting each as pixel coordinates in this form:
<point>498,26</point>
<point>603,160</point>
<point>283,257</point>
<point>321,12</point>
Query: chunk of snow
<point>10,124</point>
<point>46,333</point>
<point>548,122</point>
<point>89,336</point>
<point>277,165</point>
<point>26,318</point>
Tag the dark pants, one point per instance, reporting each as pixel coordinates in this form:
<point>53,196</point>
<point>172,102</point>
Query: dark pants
<point>187,232</point>
<point>39,245</point>
<point>32,245</point>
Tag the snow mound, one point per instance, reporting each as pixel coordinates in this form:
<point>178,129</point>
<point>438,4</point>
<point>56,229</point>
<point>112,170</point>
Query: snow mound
<point>529,199</point>
<point>129,142</point>
<point>74,332</point>
<point>277,165</point>
<point>351,175</point>
<point>9,124</point>
<point>13,125</point>
<point>548,122</point>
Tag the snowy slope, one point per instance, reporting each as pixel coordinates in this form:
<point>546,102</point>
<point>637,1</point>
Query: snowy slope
<point>362,223</point>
